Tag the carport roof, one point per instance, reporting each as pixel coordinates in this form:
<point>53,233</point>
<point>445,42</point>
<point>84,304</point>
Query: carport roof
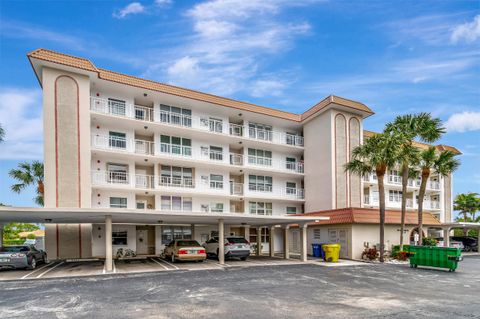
<point>370,216</point>
<point>135,216</point>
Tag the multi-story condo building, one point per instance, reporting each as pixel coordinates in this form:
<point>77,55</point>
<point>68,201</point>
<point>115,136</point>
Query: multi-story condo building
<point>117,143</point>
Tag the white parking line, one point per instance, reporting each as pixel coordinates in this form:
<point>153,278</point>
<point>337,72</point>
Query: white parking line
<point>162,260</point>
<point>50,269</point>
<point>34,271</point>
<point>156,261</point>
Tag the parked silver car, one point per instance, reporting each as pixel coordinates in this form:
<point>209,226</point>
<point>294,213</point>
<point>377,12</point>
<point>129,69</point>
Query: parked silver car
<point>235,246</point>
<point>14,257</point>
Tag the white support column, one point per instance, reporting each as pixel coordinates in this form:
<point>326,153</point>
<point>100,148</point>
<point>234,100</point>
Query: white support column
<point>221,242</point>
<point>156,174</point>
<point>271,242</point>
<point>246,232</point>
<point>259,241</point>
<point>303,235</point>
<point>446,237</point>
<point>108,244</point>
<point>286,242</point>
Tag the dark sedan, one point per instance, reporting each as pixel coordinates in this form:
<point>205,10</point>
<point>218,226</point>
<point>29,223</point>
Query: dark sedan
<point>469,243</point>
<point>14,257</point>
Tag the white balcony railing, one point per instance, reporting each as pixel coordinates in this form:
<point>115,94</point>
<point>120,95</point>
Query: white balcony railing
<point>205,123</point>
<point>397,203</point>
<point>119,144</point>
<point>236,189</point>
<point>397,180</point>
<point>274,192</point>
<point>182,182</point>
<point>116,178</point>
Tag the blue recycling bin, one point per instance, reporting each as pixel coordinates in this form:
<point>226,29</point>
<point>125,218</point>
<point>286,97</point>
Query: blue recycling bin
<point>322,252</point>
<point>316,249</point>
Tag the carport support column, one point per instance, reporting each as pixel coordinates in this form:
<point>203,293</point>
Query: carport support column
<point>286,242</point>
<point>271,242</point>
<point>221,242</point>
<point>446,237</point>
<point>259,241</point>
<point>108,244</point>
<point>303,231</point>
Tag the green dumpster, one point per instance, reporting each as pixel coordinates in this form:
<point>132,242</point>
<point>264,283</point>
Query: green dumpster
<point>441,257</point>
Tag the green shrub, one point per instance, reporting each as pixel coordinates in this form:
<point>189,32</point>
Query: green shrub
<point>396,249</point>
<point>31,236</point>
<point>13,242</point>
<point>429,241</point>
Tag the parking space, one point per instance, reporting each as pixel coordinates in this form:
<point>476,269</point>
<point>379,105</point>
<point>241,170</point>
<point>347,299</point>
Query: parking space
<point>61,269</point>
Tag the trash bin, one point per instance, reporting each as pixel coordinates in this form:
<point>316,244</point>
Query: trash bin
<point>441,257</point>
<point>332,252</point>
<point>316,250</point>
<point>322,253</point>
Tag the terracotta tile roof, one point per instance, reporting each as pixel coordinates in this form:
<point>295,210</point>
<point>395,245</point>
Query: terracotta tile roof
<point>84,64</point>
<point>370,216</point>
<point>421,145</point>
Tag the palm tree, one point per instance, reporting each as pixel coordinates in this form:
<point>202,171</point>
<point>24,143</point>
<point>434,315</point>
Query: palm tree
<point>407,128</point>
<point>29,174</point>
<point>443,163</point>
<point>2,133</point>
<point>378,153</point>
<point>468,203</point>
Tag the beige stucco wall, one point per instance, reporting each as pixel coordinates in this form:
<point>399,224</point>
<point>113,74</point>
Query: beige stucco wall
<point>355,192</point>
<point>72,138</point>
<point>370,233</point>
<point>447,195</point>
<point>69,126</point>
<point>318,156</point>
<point>341,156</point>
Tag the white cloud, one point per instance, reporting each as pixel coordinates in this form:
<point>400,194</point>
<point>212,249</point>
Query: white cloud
<point>463,122</point>
<point>132,8</point>
<point>468,32</point>
<point>24,127</point>
<point>267,87</point>
<point>163,2</point>
<point>230,44</point>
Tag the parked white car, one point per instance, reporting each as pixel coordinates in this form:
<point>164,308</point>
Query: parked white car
<point>235,246</point>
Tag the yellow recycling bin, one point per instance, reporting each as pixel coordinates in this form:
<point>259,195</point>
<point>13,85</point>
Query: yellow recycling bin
<point>332,252</point>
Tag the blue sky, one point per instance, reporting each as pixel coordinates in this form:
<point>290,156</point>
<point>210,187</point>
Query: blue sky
<point>397,57</point>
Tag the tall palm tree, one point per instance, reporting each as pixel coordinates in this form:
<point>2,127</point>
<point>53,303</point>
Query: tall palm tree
<point>443,163</point>
<point>29,174</point>
<point>2,133</point>
<point>407,128</point>
<point>468,203</point>
<point>378,153</point>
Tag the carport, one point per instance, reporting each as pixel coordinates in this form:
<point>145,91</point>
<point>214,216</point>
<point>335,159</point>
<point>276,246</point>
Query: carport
<point>147,217</point>
<point>448,227</point>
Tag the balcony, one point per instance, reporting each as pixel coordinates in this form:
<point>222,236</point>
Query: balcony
<point>122,179</point>
<point>143,147</point>
<point>396,180</point>
<point>203,123</point>
<point>236,189</point>
<point>274,192</point>
<point>397,203</point>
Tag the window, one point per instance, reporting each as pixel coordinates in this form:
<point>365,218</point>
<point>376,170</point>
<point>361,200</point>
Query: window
<point>118,202</point>
<point>175,145</point>
<point>116,107</point>
<point>216,181</point>
<point>260,183</point>
<point>291,210</point>
<point>117,140</point>
<point>170,233</point>
<point>120,238</point>
<point>175,115</point>
<point>215,125</point>
<point>259,157</point>
<point>291,188</point>
<point>394,196</point>
<point>316,234</point>
<point>176,176</point>
<point>260,131</point>
<point>291,163</point>
<point>175,203</point>
<point>394,177</point>
<point>216,207</point>
<point>117,173</point>
<point>216,153</point>
<point>260,208</point>
<point>291,138</point>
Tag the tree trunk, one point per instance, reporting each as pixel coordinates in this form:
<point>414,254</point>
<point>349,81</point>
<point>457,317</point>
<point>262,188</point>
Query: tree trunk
<point>421,195</point>
<point>381,192</point>
<point>404,202</point>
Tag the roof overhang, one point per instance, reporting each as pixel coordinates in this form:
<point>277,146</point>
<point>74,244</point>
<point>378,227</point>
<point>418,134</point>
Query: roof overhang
<point>458,225</point>
<point>136,216</point>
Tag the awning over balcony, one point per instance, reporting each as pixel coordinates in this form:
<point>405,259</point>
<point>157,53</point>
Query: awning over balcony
<point>135,216</point>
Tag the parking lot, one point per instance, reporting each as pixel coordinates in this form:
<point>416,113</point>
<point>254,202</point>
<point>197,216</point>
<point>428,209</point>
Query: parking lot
<point>293,290</point>
<point>61,269</point>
